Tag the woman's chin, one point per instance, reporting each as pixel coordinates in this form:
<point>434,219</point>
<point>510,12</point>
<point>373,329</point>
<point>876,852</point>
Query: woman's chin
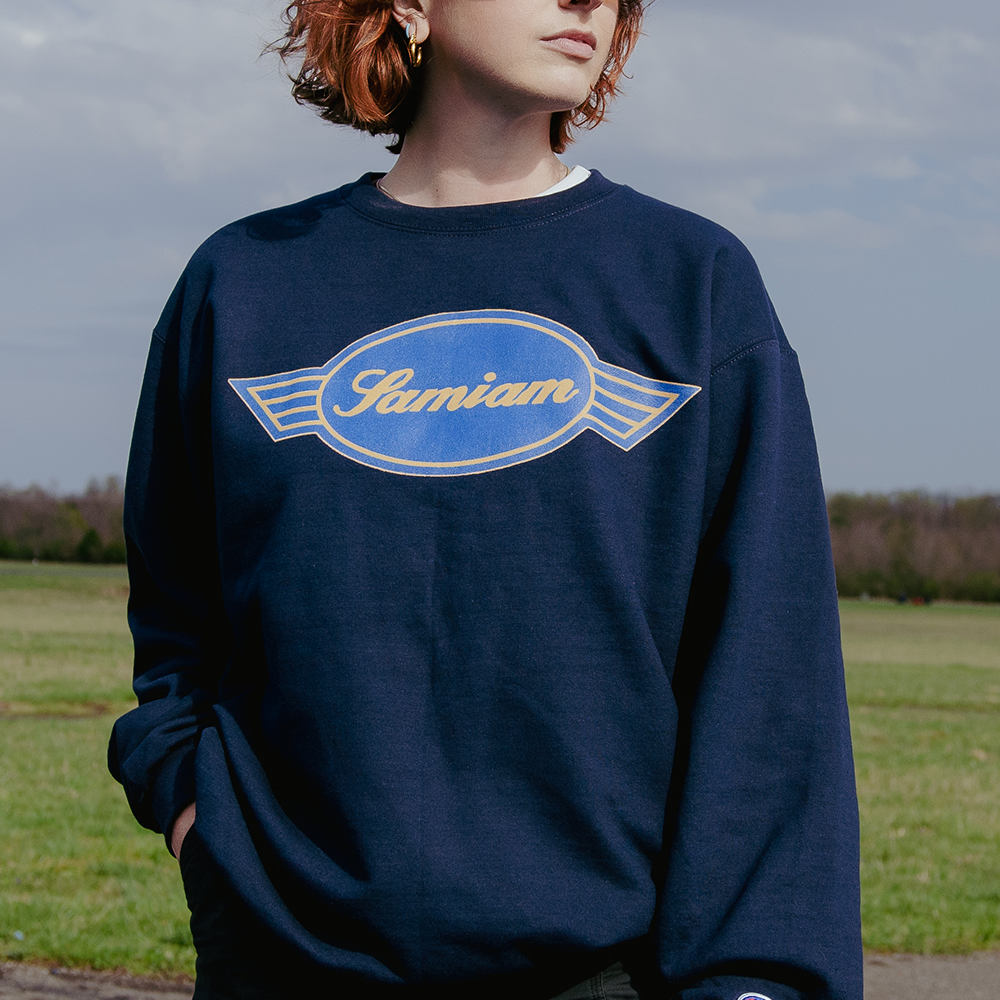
<point>555,96</point>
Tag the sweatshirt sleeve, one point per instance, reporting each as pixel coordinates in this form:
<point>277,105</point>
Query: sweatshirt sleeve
<point>760,892</point>
<point>175,610</point>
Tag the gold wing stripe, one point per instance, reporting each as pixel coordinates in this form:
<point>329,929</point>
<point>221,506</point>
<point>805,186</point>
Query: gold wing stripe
<point>632,385</point>
<point>629,402</point>
<point>611,413</point>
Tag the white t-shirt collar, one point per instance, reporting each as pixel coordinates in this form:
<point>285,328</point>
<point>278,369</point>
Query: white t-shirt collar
<point>577,175</point>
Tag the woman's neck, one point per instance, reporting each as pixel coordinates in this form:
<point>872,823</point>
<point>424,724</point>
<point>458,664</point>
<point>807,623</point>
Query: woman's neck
<point>458,152</point>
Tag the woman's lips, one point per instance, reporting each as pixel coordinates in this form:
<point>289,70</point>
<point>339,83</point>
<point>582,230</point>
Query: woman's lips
<point>578,44</point>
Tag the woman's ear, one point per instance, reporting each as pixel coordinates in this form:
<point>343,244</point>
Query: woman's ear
<point>413,12</point>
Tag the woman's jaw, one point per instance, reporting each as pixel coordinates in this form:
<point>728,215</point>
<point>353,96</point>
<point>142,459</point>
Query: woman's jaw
<point>520,55</point>
<point>494,73</point>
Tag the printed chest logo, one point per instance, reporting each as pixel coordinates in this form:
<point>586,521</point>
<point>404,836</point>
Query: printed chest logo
<point>462,393</point>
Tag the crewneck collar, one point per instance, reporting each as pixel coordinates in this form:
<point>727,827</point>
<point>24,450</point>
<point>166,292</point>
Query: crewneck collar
<point>366,199</point>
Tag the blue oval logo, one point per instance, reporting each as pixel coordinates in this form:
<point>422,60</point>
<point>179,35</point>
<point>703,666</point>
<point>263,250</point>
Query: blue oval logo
<point>462,393</point>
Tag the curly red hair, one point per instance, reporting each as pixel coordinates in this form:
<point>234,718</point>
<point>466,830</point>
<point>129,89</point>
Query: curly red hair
<point>355,69</point>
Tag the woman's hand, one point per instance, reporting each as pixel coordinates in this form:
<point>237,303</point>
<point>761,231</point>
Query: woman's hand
<point>182,825</point>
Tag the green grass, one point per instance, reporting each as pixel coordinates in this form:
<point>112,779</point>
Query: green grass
<point>924,689</point>
<point>64,643</point>
<point>79,878</point>
<point>85,885</point>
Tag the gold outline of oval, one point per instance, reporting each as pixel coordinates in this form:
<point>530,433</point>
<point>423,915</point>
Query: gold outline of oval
<point>470,461</point>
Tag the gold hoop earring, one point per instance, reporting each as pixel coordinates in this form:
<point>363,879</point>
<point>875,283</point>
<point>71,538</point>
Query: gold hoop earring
<point>413,46</point>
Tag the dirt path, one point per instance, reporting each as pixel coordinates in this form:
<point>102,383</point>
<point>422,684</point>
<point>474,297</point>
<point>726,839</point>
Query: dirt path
<point>921,977</point>
<point>887,977</point>
<point>36,982</point>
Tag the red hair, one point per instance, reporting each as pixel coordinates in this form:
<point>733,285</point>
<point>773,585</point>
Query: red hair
<point>355,68</point>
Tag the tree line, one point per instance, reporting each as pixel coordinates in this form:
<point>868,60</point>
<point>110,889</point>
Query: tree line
<point>35,524</point>
<point>917,546</point>
<point>884,545</point>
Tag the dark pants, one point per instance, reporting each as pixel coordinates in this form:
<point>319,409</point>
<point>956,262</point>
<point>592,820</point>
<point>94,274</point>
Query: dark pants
<point>240,959</point>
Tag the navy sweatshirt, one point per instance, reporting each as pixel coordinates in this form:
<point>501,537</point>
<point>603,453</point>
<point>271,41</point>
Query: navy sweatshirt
<point>482,597</point>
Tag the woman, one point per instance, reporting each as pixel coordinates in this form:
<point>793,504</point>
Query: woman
<point>473,702</point>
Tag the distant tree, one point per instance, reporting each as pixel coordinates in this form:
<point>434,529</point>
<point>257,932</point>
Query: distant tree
<point>90,549</point>
<point>916,544</point>
<point>34,524</point>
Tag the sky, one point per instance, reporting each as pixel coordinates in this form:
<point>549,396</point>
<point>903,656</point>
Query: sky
<point>854,147</point>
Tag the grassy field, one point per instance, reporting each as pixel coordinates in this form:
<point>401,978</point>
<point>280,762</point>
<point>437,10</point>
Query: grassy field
<point>924,688</point>
<point>82,884</point>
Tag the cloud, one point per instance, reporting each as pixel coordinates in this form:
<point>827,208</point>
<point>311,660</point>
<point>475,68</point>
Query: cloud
<point>729,105</point>
<point>725,105</point>
<point>176,80</point>
<point>132,129</point>
<point>727,87</point>
<point>853,146</point>
<point>147,122</point>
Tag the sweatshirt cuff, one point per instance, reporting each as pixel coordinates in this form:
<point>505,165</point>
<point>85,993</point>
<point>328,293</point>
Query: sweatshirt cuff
<point>739,988</point>
<point>173,789</point>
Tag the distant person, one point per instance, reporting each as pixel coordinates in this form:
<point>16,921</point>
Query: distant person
<point>480,575</point>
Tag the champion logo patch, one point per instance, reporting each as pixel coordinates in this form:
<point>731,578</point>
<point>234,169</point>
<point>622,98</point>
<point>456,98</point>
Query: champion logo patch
<point>753,996</point>
<point>462,393</point>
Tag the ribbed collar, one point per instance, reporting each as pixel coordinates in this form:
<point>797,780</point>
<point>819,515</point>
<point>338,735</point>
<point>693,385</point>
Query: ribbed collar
<point>365,198</point>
